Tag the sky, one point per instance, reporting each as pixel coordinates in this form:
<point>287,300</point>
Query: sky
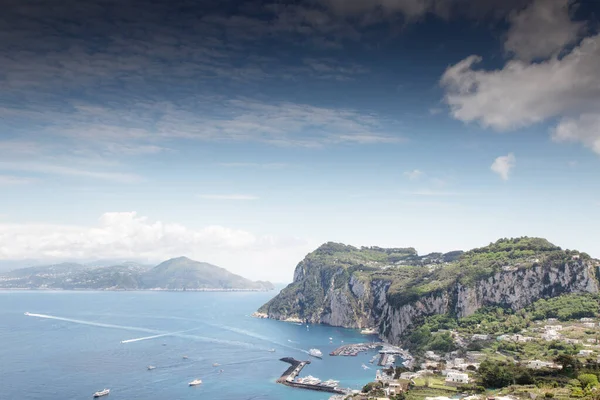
<point>247,133</point>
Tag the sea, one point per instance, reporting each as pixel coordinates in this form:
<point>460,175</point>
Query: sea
<point>78,342</point>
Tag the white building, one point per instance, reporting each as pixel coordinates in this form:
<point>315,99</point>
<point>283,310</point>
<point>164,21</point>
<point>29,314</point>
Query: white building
<point>553,327</point>
<point>480,337</point>
<point>585,319</point>
<point>456,379</point>
<point>589,324</point>
<point>550,335</point>
<point>537,364</point>
<point>572,341</point>
<point>585,352</point>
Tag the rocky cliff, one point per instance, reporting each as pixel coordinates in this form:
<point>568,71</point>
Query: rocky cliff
<point>393,289</point>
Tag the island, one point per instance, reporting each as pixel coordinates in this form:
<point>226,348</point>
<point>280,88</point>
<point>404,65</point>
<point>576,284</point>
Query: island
<point>176,274</point>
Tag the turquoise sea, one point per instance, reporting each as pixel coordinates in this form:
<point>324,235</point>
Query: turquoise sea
<point>75,348</point>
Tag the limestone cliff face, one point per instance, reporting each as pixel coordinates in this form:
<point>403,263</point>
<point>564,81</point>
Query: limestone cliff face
<point>343,297</point>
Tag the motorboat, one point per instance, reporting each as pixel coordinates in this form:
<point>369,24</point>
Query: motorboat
<point>271,350</point>
<point>216,364</point>
<point>315,353</point>
<point>102,393</point>
<point>185,357</point>
<point>151,367</point>
<point>195,382</point>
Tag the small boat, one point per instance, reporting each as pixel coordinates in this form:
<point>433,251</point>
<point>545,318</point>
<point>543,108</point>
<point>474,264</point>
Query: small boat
<point>271,350</point>
<point>368,331</point>
<point>221,371</point>
<point>315,353</point>
<point>185,357</point>
<point>216,364</point>
<point>195,382</point>
<point>102,393</point>
<point>164,344</point>
<point>151,367</point>
<point>365,367</point>
<point>27,313</point>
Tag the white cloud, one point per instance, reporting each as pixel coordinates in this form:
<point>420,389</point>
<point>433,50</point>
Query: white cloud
<point>522,94</point>
<point>541,30</point>
<point>584,129</point>
<point>53,169</point>
<point>127,236</point>
<point>228,197</point>
<point>503,165</point>
<point>414,175</point>
<point>14,180</point>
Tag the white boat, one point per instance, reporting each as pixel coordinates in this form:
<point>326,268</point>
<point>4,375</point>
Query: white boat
<point>151,367</point>
<point>195,382</point>
<point>315,353</point>
<point>216,364</point>
<point>368,331</point>
<point>271,350</point>
<point>102,393</point>
<point>27,313</point>
<point>330,383</point>
<point>185,357</point>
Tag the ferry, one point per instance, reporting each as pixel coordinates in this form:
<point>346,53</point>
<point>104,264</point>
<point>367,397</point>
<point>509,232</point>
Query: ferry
<point>195,382</point>
<point>102,393</point>
<point>315,353</point>
<point>151,367</point>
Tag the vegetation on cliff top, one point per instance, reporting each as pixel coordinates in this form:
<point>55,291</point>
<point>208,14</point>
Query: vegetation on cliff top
<point>409,275</point>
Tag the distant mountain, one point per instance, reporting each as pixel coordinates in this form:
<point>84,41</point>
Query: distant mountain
<point>175,274</point>
<point>183,273</point>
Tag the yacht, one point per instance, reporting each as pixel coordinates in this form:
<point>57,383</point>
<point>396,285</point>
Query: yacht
<point>330,383</point>
<point>151,367</point>
<point>195,382</point>
<point>102,393</point>
<point>368,331</point>
<point>315,353</point>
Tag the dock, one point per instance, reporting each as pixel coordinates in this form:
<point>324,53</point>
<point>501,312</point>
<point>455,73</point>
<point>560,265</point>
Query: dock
<point>354,349</point>
<point>287,378</point>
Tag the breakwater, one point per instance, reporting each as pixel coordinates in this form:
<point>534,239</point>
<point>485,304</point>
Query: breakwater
<point>287,378</point>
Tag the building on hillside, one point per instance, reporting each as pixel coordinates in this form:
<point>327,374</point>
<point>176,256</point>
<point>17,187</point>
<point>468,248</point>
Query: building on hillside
<point>553,327</point>
<point>550,335</point>
<point>586,319</point>
<point>537,364</point>
<point>478,336</point>
<point>409,375</point>
<point>572,341</point>
<point>589,324</point>
<point>585,352</point>
<point>552,320</point>
<point>456,379</point>
<point>396,387</point>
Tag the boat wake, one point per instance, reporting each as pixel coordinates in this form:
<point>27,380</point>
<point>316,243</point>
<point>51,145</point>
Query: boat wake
<point>92,323</point>
<point>157,336</point>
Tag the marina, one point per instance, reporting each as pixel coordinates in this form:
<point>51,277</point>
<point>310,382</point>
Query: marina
<point>352,350</point>
<point>290,378</point>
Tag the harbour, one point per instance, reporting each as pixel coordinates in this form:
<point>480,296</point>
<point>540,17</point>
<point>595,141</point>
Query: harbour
<point>288,378</point>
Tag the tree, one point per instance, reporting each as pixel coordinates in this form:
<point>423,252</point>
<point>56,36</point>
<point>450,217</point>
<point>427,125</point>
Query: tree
<point>568,362</point>
<point>588,380</point>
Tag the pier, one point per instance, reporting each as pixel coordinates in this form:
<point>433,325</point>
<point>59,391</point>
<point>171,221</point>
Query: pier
<point>354,349</point>
<point>287,378</point>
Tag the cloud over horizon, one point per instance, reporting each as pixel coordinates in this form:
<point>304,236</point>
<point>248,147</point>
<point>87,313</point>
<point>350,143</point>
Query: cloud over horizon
<point>128,236</point>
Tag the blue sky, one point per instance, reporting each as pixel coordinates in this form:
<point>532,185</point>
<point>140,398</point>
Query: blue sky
<point>246,134</point>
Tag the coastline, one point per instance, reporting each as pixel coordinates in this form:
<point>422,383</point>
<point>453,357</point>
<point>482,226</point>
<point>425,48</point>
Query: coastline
<point>131,290</point>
